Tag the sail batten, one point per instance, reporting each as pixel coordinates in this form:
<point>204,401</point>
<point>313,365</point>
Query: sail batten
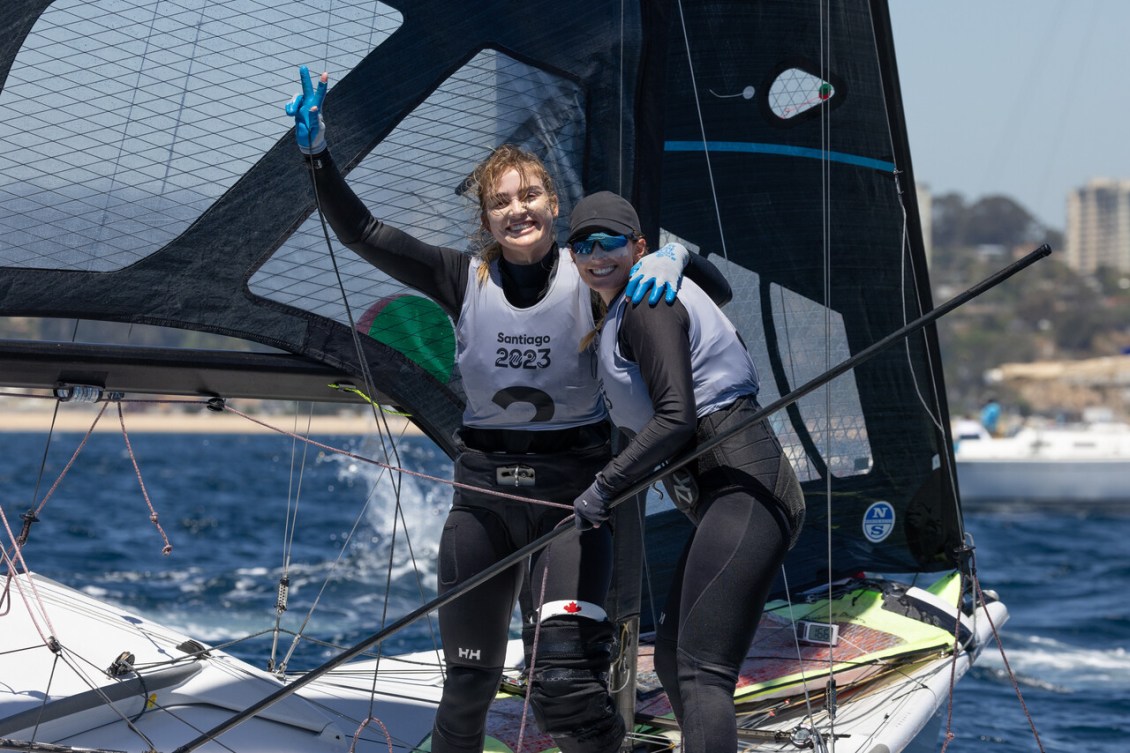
<point>783,150</point>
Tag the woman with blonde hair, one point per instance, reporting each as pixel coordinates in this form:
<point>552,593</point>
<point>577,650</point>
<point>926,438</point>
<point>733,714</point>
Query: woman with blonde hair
<point>544,415</point>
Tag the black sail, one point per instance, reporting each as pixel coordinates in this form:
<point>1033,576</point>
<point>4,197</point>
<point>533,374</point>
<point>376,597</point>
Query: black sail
<point>149,176</point>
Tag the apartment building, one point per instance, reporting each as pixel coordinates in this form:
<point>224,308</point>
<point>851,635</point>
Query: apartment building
<point>1098,226</point>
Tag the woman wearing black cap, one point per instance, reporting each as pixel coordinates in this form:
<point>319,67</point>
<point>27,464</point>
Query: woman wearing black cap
<point>539,420</point>
<point>673,376</point>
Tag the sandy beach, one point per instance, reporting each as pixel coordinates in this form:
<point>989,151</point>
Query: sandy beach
<point>80,417</point>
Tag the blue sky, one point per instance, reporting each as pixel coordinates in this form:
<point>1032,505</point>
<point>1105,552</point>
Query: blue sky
<point>1026,98</point>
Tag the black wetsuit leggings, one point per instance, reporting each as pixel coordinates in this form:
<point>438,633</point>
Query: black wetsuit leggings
<point>479,531</point>
<point>715,603</point>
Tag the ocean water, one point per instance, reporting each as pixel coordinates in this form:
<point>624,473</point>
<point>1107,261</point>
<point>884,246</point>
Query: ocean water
<point>242,510</point>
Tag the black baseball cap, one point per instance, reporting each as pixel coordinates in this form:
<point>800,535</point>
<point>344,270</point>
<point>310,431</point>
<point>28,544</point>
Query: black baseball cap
<point>603,210</point>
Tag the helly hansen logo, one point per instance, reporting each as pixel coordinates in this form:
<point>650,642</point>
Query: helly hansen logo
<point>684,488</point>
<point>471,654</point>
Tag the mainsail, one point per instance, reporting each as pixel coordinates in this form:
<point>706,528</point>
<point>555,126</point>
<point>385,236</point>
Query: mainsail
<point>149,177</point>
<point>790,161</point>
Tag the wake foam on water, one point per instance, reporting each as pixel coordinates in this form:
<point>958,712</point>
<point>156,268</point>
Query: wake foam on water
<point>403,515</point>
<point>1060,667</point>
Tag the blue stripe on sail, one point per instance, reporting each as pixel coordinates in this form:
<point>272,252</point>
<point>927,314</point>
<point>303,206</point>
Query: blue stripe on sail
<point>787,151</point>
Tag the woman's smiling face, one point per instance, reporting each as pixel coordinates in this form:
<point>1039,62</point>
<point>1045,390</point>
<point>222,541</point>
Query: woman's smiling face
<point>606,270</point>
<point>519,214</point>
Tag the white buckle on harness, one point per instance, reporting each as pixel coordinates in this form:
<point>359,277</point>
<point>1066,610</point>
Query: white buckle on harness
<point>514,475</point>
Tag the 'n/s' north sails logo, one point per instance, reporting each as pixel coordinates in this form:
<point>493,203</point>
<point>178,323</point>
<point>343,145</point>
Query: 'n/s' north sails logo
<point>878,521</point>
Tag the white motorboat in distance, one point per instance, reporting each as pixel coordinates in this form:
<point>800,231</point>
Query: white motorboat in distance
<point>1047,464</point>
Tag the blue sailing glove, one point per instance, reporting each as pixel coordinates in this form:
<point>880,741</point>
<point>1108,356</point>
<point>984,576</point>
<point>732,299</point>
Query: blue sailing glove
<point>306,109</point>
<point>592,507</point>
<point>661,272</point>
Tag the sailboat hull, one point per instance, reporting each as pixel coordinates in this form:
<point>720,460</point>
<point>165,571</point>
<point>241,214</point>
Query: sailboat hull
<point>169,689</point>
<point>166,688</point>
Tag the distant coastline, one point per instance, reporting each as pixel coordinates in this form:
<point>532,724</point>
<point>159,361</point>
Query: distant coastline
<point>79,418</point>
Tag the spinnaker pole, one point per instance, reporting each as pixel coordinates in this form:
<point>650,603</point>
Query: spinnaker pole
<point>540,543</point>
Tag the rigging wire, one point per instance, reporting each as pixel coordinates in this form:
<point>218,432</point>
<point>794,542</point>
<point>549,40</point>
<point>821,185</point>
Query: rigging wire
<point>153,518</point>
<point>60,653</point>
<point>49,639</point>
<point>808,700</point>
<point>379,417</point>
<point>620,109</point>
<point>58,480</point>
<point>290,526</point>
<point>702,130</point>
<point>12,560</point>
<point>966,566</point>
<point>1004,658</point>
<point>826,211</point>
<point>389,448</point>
<point>825,53</point>
<point>395,477</point>
<point>933,412</point>
<point>46,449</point>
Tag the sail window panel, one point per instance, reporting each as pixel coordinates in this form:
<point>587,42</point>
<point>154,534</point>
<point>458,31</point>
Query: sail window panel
<point>801,329</point>
<point>151,111</point>
<point>795,91</point>
<point>812,340</point>
<point>414,178</point>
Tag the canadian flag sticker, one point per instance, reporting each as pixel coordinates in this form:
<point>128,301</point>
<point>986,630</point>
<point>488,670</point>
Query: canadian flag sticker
<point>572,608</point>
